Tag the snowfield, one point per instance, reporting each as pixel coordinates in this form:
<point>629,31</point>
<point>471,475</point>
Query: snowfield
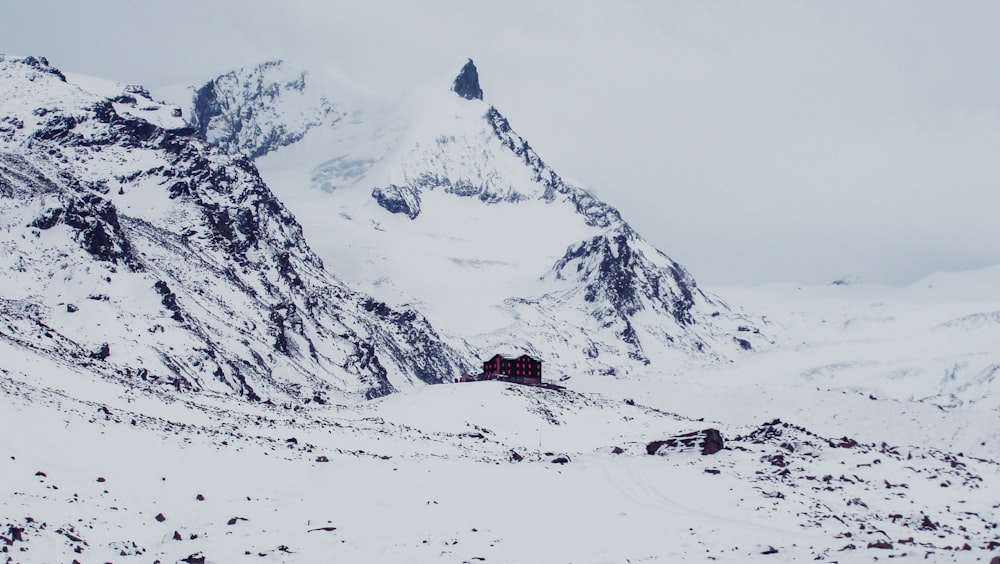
<point>857,468</point>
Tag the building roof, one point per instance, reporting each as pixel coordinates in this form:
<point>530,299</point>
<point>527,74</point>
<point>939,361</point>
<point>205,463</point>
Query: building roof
<point>505,357</point>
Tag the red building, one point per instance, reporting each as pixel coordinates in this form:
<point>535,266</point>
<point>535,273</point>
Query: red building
<point>520,370</point>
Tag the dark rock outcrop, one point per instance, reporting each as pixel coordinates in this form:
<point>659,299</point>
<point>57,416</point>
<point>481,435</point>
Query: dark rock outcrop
<point>169,300</point>
<point>466,83</point>
<point>708,441</point>
<point>397,199</point>
<point>102,352</point>
<point>96,225</point>
<point>15,534</point>
<point>196,558</point>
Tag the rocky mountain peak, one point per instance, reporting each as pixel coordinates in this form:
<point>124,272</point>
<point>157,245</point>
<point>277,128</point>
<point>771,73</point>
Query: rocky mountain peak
<point>256,110</point>
<point>639,306</point>
<point>466,83</point>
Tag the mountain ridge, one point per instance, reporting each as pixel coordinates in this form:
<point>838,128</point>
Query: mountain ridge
<point>218,287</point>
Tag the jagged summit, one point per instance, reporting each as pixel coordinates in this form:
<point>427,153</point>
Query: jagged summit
<point>466,83</point>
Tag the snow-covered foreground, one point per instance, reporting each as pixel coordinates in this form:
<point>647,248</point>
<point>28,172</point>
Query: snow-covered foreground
<point>876,455</point>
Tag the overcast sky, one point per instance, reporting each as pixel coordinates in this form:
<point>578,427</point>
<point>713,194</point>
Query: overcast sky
<point>751,141</point>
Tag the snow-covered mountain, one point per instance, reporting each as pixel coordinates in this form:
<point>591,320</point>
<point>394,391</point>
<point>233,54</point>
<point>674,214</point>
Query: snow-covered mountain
<point>444,207</point>
<point>258,110</point>
<point>134,250</point>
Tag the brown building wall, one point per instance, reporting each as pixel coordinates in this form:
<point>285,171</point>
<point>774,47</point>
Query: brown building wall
<point>521,367</point>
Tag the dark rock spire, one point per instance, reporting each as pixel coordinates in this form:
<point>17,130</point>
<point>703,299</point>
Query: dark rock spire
<point>466,83</point>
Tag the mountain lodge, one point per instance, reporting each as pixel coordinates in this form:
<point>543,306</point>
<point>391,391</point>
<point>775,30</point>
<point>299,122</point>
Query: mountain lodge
<point>521,370</point>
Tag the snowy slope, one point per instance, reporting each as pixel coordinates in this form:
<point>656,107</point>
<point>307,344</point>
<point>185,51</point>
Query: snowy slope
<point>460,473</point>
<point>142,253</point>
<point>442,206</point>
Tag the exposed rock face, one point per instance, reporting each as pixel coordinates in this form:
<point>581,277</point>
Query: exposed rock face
<point>208,275</point>
<point>466,83</point>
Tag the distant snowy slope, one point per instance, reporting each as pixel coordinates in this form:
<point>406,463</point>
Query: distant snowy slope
<point>445,207</point>
<point>915,365</point>
<point>140,252</point>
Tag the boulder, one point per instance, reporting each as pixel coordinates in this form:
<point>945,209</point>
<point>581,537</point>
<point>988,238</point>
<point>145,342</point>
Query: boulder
<point>102,352</point>
<point>708,441</point>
